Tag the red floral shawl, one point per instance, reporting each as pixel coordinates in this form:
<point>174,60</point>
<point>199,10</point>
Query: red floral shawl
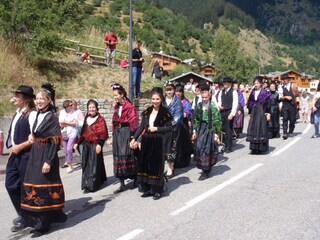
<point>128,115</point>
<point>96,132</point>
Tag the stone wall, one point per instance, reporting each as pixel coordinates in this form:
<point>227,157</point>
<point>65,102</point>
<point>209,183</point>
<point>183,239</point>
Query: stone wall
<point>106,108</point>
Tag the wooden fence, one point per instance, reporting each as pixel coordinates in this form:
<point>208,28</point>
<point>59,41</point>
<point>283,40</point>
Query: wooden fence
<point>80,48</point>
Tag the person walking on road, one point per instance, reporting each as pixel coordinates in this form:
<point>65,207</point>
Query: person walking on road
<point>124,125</point>
<point>93,135</point>
<point>207,125</point>
<point>43,195</point>
<point>154,129</point>
<point>17,140</point>
<point>259,114</point>
<point>289,109</point>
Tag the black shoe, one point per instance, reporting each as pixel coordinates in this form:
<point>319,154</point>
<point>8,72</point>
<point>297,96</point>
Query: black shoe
<point>156,196</point>
<point>61,218</point>
<point>291,135</point>
<point>285,136</point>
<point>203,176</point>
<point>16,220</point>
<point>228,150</point>
<point>86,191</point>
<point>38,233</point>
<point>18,227</point>
<point>122,188</point>
<point>146,194</point>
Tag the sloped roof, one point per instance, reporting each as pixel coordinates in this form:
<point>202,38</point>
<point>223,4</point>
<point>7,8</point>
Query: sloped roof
<point>278,73</point>
<point>165,55</point>
<point>186,77</point>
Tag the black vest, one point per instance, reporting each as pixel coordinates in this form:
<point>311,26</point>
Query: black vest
<point>227,99</point>
<point>21,130</point>
<point>286,92</point>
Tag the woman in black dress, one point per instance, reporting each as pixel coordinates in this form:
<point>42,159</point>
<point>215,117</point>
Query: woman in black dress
<point>42,193</point>
<point>155,125</point>
<point>259,113</point>
<point>124,124</point>
<point>94,133</point>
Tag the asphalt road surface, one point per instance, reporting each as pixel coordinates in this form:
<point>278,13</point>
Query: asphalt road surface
<point>271,196</point>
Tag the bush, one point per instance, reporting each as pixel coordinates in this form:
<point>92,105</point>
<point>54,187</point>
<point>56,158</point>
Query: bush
<point>96,3</point>
<point>88,9</point>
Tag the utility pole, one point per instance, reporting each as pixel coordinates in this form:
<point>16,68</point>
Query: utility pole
<point>130,52</point>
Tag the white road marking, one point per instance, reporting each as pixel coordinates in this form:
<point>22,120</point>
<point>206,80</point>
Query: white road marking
<point>307,129</point>
<point>131,235</point>
<point>207,194</point>
<point>286,147</point>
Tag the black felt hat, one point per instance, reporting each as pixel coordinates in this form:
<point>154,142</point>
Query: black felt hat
<point>227,79</point>
<point>26,90</point>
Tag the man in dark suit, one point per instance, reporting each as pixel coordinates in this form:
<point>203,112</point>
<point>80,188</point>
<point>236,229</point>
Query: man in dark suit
<point>20,146</point>
<point>289,110</point>
<point>227,104</point>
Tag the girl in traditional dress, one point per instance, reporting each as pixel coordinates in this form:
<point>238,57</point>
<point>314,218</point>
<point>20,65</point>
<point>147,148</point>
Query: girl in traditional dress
<point>173,103</point>
<point>259,114</point>
<point>207,125</point>
<point>42,192</point>
<point>184,140</point>
<point>154,129</point>
<point>274,123</point>
<point>94,133</point>
<point>124,124</point>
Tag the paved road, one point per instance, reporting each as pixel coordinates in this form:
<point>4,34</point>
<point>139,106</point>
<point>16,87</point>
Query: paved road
<point>272,196</point>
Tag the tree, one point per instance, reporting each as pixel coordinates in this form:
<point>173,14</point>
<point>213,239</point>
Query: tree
<point>229,60</point>
<point>37,26</point>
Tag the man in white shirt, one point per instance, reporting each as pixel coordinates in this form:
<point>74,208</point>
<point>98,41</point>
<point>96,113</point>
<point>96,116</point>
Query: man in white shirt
<point>227,104</point>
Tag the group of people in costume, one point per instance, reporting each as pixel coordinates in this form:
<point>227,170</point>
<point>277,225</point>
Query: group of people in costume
<point>170,130</point>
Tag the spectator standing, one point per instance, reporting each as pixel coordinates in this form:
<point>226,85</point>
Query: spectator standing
<point>316,111</point>
<point>157,70</point>
<point>111,41</point>
<point>137,61</point>
<point>68,122</point>
<point>17,140</point>
<point>304,100</point>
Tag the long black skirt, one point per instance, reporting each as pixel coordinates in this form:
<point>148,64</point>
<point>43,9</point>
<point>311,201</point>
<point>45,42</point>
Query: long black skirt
<point>184,147</point>
<point>151,161</point>
<point>93,170</point>
<point>206,149</point>
<point>124,161</point>
<point>274,123</point>
<point>257,133</point>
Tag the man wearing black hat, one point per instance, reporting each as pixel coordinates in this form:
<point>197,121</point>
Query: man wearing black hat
<point>227,104</point>
<point>17,139</point>
<point>289,111</point>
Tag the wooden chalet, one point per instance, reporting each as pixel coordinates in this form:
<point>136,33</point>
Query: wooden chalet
<point>185,78</point>
<point>168,63</point>
<point>302,80</point>
<point>208,70</point>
